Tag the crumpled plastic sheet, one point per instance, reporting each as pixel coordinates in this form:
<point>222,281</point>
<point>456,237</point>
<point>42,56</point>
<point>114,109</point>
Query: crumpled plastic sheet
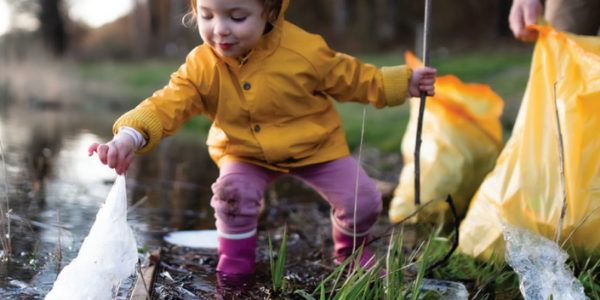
<point>540,264</point>
<point>107,256</point>
<point>449,290</point>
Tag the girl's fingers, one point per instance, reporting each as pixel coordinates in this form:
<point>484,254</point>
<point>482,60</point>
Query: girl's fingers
<point>112,156</point>
<point>128,161</point>
<point>119,166</point>
<point>93,148</point>
<point>102,152</point>
<point>429,72</point>
<point>427,81</point>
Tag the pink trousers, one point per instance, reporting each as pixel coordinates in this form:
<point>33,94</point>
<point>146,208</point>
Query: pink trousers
<point>240,188</point>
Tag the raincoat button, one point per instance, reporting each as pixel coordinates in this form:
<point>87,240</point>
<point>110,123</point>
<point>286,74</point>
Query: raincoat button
<point>256,128</point>
<point>246,86</point>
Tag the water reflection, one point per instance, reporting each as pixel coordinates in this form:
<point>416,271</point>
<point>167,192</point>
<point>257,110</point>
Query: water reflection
<point>52,182</point>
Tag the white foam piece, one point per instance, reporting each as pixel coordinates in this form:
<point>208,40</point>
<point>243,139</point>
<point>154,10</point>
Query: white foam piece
<point>194,239</point>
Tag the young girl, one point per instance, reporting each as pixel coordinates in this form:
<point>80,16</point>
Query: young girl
<point>268,87</point>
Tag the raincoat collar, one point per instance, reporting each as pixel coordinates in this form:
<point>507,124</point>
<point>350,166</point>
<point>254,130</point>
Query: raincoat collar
<point>265,46</point>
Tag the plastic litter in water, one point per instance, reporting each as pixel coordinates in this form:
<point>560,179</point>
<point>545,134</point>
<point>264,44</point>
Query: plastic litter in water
<point>540,264</point>
<point>194,239</point>
<point>107,256</point>
<point>450,290</point>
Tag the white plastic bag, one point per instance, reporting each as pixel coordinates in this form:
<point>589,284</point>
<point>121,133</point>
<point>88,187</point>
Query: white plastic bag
<point>540,264</point>
<point>107,256</point>
<point>449,290</point>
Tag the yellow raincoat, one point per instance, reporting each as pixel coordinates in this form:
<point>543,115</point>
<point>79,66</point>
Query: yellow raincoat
<point>273,107</point>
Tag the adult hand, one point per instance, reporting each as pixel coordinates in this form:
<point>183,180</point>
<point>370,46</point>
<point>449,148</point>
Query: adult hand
<point>117,154</point>
<point>523,13</point>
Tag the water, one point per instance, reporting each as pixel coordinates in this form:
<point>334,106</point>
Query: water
<point>52,182</point>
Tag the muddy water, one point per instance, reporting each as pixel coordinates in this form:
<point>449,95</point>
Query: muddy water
<point>52,182</point>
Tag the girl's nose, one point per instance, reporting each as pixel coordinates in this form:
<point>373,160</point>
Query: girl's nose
<point>221,29</point>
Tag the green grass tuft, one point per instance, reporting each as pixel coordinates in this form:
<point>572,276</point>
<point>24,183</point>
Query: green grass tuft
<point>277,269</point>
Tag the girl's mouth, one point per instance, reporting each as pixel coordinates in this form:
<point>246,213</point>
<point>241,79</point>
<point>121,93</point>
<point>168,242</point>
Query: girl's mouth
<point>224,46</point>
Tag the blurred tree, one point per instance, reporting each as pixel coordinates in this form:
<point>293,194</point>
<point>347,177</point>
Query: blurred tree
<point>340,15</point>
<point>154,28</point>
<point>141,25</point>
<point>502,12</point>
<point>52,20</point>
<point>52,25</point>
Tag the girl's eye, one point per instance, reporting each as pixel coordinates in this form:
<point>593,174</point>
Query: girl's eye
<point>238,19</point>
<point>206,17</point>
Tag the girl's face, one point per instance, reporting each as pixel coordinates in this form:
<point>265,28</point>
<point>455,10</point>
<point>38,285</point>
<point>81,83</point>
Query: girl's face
<point>231,27</point>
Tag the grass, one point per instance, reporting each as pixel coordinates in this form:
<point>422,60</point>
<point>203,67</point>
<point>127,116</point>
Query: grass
<point>359,283</point>
<point>489,280</point>
<point>5,239</point>
<point>146,76</point>
<point>507,74</point>
<point>277,268</point>
<point>130,82</point>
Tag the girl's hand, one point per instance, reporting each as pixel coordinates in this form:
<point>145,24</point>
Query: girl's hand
<point>422,80</point>
<point>117,153</point>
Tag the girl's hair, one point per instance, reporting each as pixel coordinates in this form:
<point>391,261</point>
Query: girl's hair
<point>271,10</point>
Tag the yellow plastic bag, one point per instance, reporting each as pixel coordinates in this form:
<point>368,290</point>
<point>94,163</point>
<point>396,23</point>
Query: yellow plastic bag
<point>524,189</point>
<point>462,138</point>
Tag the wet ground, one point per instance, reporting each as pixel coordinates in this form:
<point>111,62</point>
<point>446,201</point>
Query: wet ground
<point>187,273</point>
<point>55,191</point>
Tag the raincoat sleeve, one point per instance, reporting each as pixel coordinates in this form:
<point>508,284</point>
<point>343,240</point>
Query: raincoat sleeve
<point>162,114</point>
<point>345,78</point>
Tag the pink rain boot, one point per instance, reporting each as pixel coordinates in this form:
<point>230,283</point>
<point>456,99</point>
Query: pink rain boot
<point>236,256</point>
<point>343,243</point>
